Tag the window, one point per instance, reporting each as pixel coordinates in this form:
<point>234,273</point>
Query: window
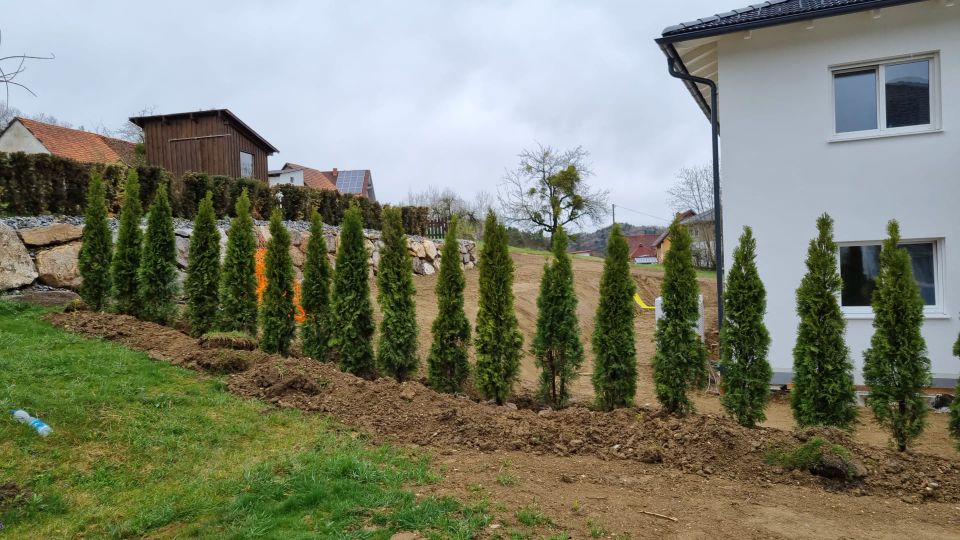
<point>860,265</point>
<point>246,165</point>
<point>897,96</point>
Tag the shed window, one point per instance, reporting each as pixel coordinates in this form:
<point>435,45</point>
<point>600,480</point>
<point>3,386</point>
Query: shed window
<point>860,266</point>
<point>246,165</point>
<point>891,97</point>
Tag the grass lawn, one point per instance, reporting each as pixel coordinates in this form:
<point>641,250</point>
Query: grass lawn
<point>142,448</point>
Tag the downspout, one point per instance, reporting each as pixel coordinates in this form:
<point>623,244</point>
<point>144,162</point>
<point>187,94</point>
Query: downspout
<point>717,206</point>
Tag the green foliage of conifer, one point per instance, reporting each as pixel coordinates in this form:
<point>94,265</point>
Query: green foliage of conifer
<point>447,364</point>
<point>96,250</point>
<point>556,345</point>
<point>498,337</point>
<point>954,426</point>
<point>203,270</point>
<point>896,366</point>
<point>277,322</point>
<point>397,350</point>
<point>317,329</point>
<point>680,361</point>
<point>238,277</point>
<point>615,356</point>
<point>352,311</point>
<point>823,392</point>
<point>126,256</point>
<point>158,264</point>
<point>745,340</point>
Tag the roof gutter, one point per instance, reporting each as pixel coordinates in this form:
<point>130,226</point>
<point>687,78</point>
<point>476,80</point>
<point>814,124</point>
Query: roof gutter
<point>692,81</point>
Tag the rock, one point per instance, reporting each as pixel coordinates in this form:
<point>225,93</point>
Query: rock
<point>263,235</point>
<point>296,256</point>
<point>375,259</point>
<point>430,249</point>
<point>512,406</point>
<point>183,251</point>
<point>407,393</point>
<point>183,232</point>
<point>418,266</point>
<point>57,266</point>
<point>16,268</point>
<point>418,250</point>
<point>332,241</point>
<point>465,257</point>
<point>838,467</point>
<point>58,233</point>
<point>469,265</point>
<point>428,269</point>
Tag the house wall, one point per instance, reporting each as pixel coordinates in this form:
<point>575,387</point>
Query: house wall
<point>781,170</point>
<point>207,144</point>
<point>287,177</point>
<point>18,138</point>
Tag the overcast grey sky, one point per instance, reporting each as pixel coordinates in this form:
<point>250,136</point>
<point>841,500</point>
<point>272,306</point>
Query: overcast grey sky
<point>421,93</point>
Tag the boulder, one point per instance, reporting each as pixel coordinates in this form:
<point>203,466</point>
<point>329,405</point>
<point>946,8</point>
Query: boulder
<point>430,249</point>
<point>417,265</point>
<point>332,241</point>
<point>297,256</point>
<point>263,235</point>
<point>58,266</point>
<point>428,269</point>
<point>16,268</point>
<point>183,251</point>
<point>417,248</point>
<point>58,233</point>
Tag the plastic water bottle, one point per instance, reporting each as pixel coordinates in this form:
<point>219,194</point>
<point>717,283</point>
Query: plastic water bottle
<point>24,418</point>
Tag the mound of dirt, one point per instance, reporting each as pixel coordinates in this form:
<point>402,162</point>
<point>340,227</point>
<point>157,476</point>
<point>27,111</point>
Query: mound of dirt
<point>413,414</point>
<point>12,495</point>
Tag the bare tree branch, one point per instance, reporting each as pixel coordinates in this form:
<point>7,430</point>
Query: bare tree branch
<point>7,76</point>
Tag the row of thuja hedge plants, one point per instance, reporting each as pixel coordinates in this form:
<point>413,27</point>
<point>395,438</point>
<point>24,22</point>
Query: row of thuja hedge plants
<point>34,184</point>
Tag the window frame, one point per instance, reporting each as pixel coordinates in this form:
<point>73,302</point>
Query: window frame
<point>879,67</point>
<point>929,311</point>
<point>253,161</point>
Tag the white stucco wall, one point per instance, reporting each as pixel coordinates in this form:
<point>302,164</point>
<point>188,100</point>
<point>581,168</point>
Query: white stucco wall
<point>287,177</point>
<point>19,139</point>
<point>780,170</point>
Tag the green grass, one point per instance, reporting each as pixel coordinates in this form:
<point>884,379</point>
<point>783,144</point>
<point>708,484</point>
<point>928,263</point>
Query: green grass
<point>143,448</point>
<point>531,517</point>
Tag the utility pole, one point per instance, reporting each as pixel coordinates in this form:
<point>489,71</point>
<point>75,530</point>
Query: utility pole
<point>614,208</point>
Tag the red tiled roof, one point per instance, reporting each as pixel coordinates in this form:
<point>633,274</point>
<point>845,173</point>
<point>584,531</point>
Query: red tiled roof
<point>80,145</point>
<point>642,245</point>
<point>313,178</point>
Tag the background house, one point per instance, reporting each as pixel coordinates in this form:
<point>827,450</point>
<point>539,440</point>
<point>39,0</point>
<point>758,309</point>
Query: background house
<point>703,235</point>
<point>32,137</point>
<point>641,248</point>
<point>213,142</point>
<point>358,182</point>
<point>845,107</point>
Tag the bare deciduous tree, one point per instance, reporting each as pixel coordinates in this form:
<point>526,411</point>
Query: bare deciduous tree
<point>692,190</point>
<point>10,68</point>
<point>548,190</point>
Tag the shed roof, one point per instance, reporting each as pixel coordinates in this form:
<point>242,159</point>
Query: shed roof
<point>141,120</point>
<point>84,146</point>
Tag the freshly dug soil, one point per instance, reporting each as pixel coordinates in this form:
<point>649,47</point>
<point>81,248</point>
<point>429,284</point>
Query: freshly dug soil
<point>409,413</point>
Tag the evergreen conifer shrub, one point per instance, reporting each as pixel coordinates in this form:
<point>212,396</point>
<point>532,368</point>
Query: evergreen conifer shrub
<point>96,250</point>
<point>397,351</point>
<point>896,366</point>
<point>126,256</point>
<point>498,337</point>
<point>954,425</point>
<point>745,340</point>
<point>614,348</point>
<point>317,329</point>
<point>277,323</point>
<point>238,281</point>
<point>447,364</point>
<point>680,361</point>
<point>158,265</point>
<point>823,392</point>
<point>203,270</point>
<point>556,345</point>
<point>352,311</point>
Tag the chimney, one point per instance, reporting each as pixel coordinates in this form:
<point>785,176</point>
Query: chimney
<point>334,172</point>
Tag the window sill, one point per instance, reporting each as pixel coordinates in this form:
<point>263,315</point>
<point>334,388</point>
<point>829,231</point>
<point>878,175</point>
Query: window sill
<point>869,316</point>
<point>880,135</point>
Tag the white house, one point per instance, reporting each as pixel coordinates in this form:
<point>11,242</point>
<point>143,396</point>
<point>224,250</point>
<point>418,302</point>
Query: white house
<point>292,177</point>
<point>850,107</point>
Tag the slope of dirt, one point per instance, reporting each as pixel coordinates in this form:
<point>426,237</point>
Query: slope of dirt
<point>410,413</point>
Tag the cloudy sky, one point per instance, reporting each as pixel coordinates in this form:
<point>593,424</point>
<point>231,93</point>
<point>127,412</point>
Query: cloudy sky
<point>420,92</point>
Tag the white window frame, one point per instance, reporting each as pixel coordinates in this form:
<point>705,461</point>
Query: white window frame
<point>879,66</point>
<point>937,310</point>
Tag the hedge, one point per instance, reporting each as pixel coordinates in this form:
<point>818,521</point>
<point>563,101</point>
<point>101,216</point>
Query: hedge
<point>33,184</point>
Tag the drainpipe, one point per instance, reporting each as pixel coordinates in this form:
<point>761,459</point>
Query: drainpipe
<point>717,206</point>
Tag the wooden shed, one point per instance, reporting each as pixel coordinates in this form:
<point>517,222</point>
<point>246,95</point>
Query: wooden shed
<point>215,141</point>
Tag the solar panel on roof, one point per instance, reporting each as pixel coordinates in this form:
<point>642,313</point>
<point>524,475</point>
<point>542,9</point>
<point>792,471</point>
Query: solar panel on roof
<point>350,181</point>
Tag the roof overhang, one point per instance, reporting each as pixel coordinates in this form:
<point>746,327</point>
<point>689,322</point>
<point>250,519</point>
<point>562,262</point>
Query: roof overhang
<point>225,113</point>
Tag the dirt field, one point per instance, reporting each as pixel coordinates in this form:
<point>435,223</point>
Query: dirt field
<point>590,473</point>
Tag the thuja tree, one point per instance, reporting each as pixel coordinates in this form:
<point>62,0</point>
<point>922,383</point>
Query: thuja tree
<point>158,265</point>
<point>614,349</point>
<point>745,340</point>
<point>238,280</point>
<point>498,338</point>
<point>126,256</point>
<point>823,392</point>
<point>954,426</point>
<point>315,296</point>
<point>352,311</point>
<point>896,366</point>
<point>680,361</point>
<point>277,323</point>
<point>203,269</point>
<point>397,350</point>
<point>97,247</point>
<point>447,365</point>
<point>556,344</point>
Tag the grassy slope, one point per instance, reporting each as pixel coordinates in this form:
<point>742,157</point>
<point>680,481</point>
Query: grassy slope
<point>142,448</point>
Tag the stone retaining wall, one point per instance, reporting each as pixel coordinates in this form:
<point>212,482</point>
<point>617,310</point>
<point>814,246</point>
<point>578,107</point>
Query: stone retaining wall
<point>44,249</point>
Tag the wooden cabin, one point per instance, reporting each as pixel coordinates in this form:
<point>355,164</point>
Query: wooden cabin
<point>212,142</point>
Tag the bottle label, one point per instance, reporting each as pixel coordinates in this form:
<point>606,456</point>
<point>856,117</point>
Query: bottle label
<point>37,424</point>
